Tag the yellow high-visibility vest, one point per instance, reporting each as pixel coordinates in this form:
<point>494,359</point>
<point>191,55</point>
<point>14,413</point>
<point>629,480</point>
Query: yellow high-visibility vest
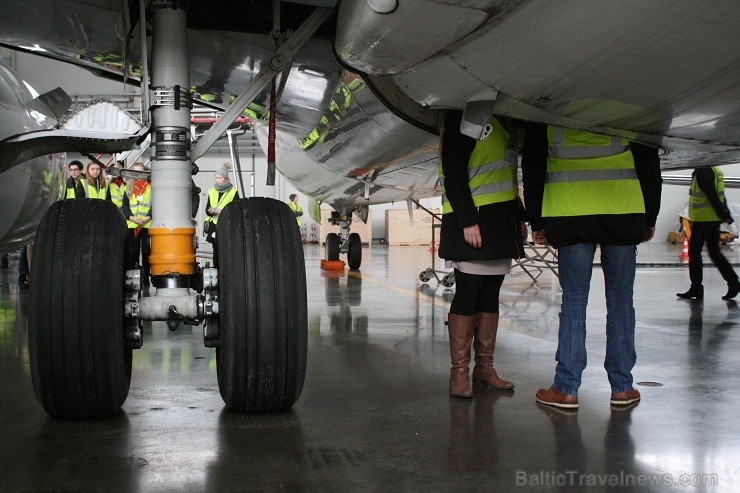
<point>214,203</point>
<point>296,208</point>
<point>700,209</point>
<point>589,174</point>
<point>92,193</point>
<point>491,170</point>
<point>117,192</point>
<point>141,207</point>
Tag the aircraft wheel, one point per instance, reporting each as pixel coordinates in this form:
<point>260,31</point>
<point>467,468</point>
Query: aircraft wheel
<point>332,247</point>
<point>263,327</point>
<point>354,251</point>
<point>80,366</point>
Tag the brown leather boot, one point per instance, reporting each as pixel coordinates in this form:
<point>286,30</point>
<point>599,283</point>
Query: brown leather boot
<point>485,343</point>
<point>460,328</point>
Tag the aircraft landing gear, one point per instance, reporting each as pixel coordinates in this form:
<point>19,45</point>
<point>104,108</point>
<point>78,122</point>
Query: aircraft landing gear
<point>344,241</point>
<point>86,310</point>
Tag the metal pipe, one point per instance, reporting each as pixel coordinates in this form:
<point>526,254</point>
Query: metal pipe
<point>235,160</point>
<point>144,86</point>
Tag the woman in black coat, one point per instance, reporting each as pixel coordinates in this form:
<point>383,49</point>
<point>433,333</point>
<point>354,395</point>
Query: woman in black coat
<point>480,236</point>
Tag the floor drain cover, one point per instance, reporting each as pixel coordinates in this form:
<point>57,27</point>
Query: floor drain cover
<point>650,384</point>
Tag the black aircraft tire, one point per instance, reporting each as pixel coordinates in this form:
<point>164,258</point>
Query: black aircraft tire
<point>261,356</point>
<point>332,247</point>
<point>354,251</point>
<point>80,366</point>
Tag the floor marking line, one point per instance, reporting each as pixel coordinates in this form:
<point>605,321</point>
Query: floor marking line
<point>506,324</point>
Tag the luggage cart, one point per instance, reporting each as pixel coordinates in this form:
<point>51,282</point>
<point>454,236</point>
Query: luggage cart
<point>445,278</point>
<point>538,258</point>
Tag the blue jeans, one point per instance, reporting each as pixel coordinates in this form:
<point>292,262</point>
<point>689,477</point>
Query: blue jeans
<point>575,264</point>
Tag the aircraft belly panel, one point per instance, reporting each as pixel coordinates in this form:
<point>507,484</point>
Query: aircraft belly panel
<point>358,147</point>
<point>407,37</point>
<point>333,181</point>
<point>665,71</point>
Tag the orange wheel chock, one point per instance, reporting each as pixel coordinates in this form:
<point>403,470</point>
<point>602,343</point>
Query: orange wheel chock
<point>332,264</point>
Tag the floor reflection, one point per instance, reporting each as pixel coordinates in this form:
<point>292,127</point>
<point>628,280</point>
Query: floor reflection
<point>265,450</point>
<point>473,445</point>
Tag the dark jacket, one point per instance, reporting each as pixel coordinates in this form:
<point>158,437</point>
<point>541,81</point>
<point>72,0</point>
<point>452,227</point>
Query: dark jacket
<point>194,198</point>
<point>499,222</point>
<point>618,229</point>
<point>78,187</point>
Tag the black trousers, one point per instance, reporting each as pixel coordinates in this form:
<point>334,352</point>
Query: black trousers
<point>139,245</point>
<point>701,233</point>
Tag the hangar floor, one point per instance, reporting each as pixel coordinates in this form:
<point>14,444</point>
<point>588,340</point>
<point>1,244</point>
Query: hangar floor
<point>375,415</point>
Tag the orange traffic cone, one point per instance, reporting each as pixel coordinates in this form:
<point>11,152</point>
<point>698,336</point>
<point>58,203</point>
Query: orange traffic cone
<point>685,251</point>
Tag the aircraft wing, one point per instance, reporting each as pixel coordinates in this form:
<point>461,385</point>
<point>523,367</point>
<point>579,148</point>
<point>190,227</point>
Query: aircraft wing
<point>360,104</point>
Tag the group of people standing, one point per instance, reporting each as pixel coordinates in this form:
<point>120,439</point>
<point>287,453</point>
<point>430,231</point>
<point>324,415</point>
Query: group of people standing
<point>133,197</point>
<point>581,190</point>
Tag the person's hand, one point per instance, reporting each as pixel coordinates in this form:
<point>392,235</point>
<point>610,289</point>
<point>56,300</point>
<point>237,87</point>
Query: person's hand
<point>523,230</point>
<point>472,236</point>
<point>539,237</point>
<point>216,211</point>
<point>649,234</point>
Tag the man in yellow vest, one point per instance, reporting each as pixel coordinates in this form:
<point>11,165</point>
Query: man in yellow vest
<point>582,189</point>
<point>707,210</point>
<point>296,208</point>
<point>75,188</point>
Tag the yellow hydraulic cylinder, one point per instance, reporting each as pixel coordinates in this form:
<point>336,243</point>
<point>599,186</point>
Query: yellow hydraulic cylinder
<point>173,251</point>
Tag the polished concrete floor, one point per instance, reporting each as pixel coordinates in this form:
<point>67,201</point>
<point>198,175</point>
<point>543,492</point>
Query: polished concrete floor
<point>375,415</point>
